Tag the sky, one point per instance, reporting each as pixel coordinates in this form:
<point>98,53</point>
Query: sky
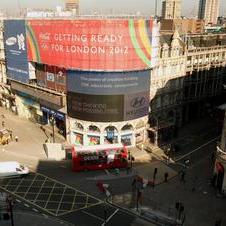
<point>189,7</point>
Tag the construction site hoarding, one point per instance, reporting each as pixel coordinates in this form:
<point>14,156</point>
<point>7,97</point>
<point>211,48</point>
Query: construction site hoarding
<point>91,44</point>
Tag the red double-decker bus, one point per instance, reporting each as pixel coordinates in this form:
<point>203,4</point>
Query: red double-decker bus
<point>99,157</point>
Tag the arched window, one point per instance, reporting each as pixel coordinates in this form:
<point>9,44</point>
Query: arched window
<point>111,136</point>
<point>94,129</point>
<point>127,127</point>
<point>78,126</point>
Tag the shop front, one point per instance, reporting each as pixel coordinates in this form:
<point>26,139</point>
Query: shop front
<point>78,139</point>
<point>28,108</point>
<point>111,135</point>
<point>126,139</point>
<point>59,118</point>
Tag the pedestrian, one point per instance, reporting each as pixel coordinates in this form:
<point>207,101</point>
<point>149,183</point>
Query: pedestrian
<point>155,173</point>
<point>153,185</point>
<point>11,135</point>
<point>212,158</point>
<point>16,138</point>
<point>166,175</point>
<point>194,184</point>
<point>3,124</point>
<point>218,222</point>
<point>127,169</point>
<point>182,177</point>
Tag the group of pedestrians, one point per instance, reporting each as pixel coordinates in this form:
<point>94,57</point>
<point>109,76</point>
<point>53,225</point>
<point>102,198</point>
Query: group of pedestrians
<point>10,132</point>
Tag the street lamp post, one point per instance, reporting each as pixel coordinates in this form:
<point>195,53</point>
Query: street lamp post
<point>53,121</point>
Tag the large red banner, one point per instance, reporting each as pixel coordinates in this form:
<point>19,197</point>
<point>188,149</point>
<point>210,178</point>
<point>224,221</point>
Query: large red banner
<point>101,45</point>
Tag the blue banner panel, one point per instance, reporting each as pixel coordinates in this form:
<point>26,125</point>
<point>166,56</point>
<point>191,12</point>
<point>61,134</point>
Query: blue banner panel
<point>16,50</point>
<point>108,83</point>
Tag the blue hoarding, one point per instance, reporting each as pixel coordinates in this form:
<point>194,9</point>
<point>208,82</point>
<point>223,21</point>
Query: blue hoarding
<point>108,83</point>
<point>16,50</point>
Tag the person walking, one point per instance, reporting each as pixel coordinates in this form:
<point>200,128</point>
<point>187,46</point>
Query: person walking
<point>16,138</point>
<point>194,184</point>
<point>182,177</point>
<point>155,173</point>
<point>166,175</point>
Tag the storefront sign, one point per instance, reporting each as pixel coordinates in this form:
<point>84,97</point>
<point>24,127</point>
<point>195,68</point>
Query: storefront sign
<point>91,44</point>
<point>56,114</point>
<point>16,50</point>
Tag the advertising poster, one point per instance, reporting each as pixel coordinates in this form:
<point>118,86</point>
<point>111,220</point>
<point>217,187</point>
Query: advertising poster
<point>16,50</point>
<point>107,108</point>
<point>108,83</point>
<point>136,105</point>
<point>91,44</point>
<point>97,108</point>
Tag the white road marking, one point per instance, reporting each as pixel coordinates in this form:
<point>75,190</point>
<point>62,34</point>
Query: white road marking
<point>35,210</point>
<point>26,205</point>
<point>191,152</point>
<point>94,216</point>
<point>109,218</point>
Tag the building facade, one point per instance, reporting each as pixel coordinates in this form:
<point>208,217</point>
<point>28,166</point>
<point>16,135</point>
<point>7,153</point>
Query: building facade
<point>106,68</point>
<point>171,9</point>
<point>166,92</point>
<point>183,26</point>
<point>5,93</point>
<point>220,163</point>
<point>209,11</point>
<point>186,82</point>
<point>135,84</point>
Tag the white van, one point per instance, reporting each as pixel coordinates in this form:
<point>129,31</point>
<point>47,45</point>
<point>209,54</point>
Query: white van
<point>12,169</point>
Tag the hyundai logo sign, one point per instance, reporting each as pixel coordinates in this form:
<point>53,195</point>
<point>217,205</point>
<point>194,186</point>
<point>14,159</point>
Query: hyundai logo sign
<point>138,102</point>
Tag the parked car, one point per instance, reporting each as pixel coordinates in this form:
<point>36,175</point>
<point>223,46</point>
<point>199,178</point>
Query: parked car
<point>12,169</point>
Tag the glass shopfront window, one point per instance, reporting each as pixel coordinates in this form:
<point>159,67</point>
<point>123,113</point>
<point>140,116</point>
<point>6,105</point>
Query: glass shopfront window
<point>126,139</point>
<point>93,140</point>
<point>78,139</point>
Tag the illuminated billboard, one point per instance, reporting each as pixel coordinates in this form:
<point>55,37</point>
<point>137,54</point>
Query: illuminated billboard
<point>107,108</point>
<point>91,45</point>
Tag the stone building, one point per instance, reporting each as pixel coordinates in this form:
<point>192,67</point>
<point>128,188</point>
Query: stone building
<point>209,11</point>
<point>167,88</point>
<point>171,9</point>
<point>186,82</point>
<point>5,93</point>
<point>220,163</point>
